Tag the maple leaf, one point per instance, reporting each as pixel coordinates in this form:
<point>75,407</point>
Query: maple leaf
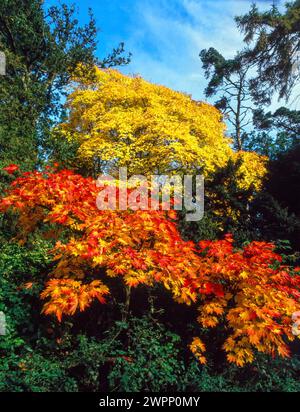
<point>240,287</point>
<point>28,285</point>
<point>11,168</point>
<point>197,347</point>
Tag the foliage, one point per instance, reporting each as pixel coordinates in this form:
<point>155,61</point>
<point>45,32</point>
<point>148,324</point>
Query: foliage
<point>21,369</point>
<point>126,121</point>
<point>262,291</point>
<point>274,38</point>
<point>248,288</point>
<point>141,246</point>
<point>42,47</point>
<point>158,285</point>
<point>132,355</point>
<point>229,79</point>
<point>228,202</point>
<point>151,361</point>
<point>264,375</point>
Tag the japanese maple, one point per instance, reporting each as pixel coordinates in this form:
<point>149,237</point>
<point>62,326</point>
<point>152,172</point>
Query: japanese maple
<point>248,290</point>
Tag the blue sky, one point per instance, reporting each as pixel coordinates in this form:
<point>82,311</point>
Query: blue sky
<point>166,36</point>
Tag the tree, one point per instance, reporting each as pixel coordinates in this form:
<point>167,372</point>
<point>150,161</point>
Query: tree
<point>42,47</point>
<point>230,80</point>
<point>119,121</point>
<point>274,39</point>
<point>247,289</point>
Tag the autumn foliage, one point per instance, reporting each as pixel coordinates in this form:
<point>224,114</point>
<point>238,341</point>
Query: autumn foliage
<point>124,121</point>
<point>248,290</point>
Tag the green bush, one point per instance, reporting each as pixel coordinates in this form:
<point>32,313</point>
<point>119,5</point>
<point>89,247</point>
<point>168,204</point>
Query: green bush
<point>95,351</point>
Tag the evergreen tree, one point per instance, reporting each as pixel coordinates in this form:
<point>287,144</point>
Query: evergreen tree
<point>273,38</point>
<point>229,80</point>
<point>42,48</point>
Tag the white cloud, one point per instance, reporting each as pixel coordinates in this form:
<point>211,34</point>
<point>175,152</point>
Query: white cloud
<point>167,36</point>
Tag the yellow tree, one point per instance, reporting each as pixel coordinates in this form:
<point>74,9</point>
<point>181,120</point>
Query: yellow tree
<point>119,121</point>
